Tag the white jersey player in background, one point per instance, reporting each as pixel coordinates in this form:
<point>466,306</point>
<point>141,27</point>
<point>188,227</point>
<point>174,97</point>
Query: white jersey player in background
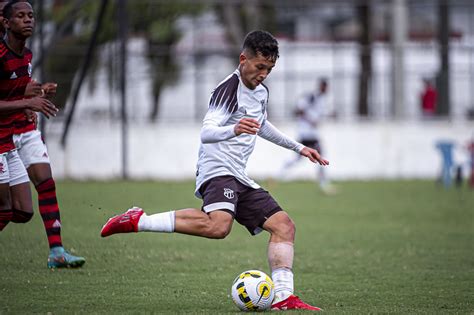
<point>237,114</point>
<point>310,111</point>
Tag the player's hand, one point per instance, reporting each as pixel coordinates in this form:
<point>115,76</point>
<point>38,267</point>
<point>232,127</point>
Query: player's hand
<point>33,88</point>
<point>31,116</point>
<point>49,89</point>
<point>40,104</point>
<point>247,125</point>
<point>314,156</point>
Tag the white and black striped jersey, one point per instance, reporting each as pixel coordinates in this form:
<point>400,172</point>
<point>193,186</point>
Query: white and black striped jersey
<point>221,151</point>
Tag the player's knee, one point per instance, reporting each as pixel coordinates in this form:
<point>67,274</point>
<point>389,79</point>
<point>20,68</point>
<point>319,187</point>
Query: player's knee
<point>219,225</point>
<point>5,203</point>
<point>290,227</point>
<point>21,216</point>
<point>217,230</point>
<point>286,229</point>
<point>220,233</point>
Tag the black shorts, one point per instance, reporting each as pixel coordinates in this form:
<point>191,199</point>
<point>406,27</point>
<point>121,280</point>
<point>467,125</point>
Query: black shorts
<point>249,206</point>
<point>312,143</point>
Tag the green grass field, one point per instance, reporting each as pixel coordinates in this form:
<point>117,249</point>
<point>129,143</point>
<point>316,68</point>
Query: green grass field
<point>377,247</point>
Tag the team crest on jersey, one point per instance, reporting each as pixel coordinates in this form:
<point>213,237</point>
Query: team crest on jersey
<point>228,193</point>
<point>30,69</point>
<point>264,106</point>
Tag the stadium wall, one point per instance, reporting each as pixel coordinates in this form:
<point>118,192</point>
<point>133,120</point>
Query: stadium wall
<point>356,150</point>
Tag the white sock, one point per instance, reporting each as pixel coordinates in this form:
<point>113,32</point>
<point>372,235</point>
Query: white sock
<point>159,222</point>
<point>283,281</point>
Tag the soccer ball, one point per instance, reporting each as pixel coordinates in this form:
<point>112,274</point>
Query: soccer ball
<point>253,290</point>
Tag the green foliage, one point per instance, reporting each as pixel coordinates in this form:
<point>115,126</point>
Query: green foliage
<point>376,247</point>
<point>153,21</point>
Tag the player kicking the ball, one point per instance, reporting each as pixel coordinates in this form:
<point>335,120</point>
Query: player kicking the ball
<point>236,115</point>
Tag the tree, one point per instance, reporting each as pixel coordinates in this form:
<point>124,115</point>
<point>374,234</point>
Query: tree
<point>154,21</point>
<point>242,17</point>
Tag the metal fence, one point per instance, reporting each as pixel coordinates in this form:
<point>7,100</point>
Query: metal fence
<point>317,39</point>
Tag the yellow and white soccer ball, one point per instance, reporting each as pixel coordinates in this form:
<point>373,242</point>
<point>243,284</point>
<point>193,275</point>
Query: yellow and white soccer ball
<point>253,290</point>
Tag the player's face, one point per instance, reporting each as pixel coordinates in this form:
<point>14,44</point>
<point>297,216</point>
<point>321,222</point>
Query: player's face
<point>254,69</point>
<point>22,21</point>
<point>2,4</point>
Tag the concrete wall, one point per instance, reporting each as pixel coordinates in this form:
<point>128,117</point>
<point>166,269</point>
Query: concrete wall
<point>357,150</point>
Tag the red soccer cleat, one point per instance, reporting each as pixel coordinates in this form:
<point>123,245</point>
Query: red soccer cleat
<point>293,303</point>
<point>123,223</point>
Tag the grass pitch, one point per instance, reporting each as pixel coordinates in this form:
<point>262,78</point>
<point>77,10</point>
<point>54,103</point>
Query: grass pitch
<point>376,247</point>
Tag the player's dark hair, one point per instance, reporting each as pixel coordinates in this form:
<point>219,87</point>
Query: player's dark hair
<point>262,42</point>
<point>8,8</point>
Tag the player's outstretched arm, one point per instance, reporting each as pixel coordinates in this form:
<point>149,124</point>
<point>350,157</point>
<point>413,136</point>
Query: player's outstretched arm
<point>313,156</point>
<point>272,134</point>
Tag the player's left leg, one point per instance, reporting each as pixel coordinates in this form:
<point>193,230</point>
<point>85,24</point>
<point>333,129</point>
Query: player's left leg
<point>288,164</point>
<point>34,155</point>
<point>41,176</point>
<point>22,207</point>
<point>324,183</point>
<point>280,258</point>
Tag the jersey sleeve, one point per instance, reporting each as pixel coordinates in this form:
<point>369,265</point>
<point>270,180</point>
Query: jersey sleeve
<point>222,105</point>
<point>269,132</point>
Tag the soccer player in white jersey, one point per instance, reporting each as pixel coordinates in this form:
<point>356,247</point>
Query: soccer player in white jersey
<point>310,111</point>
<point>237,115</point>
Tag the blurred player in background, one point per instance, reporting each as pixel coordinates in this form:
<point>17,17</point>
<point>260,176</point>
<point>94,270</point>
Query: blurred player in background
<point>16,68</point>
<point>237,114</point>
<point>310,111</point>
<point>428,98</point>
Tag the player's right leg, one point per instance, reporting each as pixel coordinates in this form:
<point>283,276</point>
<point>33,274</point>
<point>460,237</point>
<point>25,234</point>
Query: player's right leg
<point>216,224</point>
<point>21,201</point>
<point>6,212</point>
<point>20,192</point>
<point>220,196</point>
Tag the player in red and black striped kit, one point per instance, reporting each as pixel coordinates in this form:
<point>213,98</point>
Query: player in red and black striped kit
<point>12,174</point>
<point>20,94</point>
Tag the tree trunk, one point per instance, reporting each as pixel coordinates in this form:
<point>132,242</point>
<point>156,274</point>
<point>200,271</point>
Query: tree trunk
<point>365,41</point>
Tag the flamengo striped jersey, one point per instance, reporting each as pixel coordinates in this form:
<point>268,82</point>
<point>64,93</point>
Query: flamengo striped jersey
<point>15,74</point>
<point>230,102</point>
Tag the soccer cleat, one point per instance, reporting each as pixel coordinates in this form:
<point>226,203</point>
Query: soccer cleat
<point>60,258</point>
<point>293,303</point>
<point>123,223</point>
